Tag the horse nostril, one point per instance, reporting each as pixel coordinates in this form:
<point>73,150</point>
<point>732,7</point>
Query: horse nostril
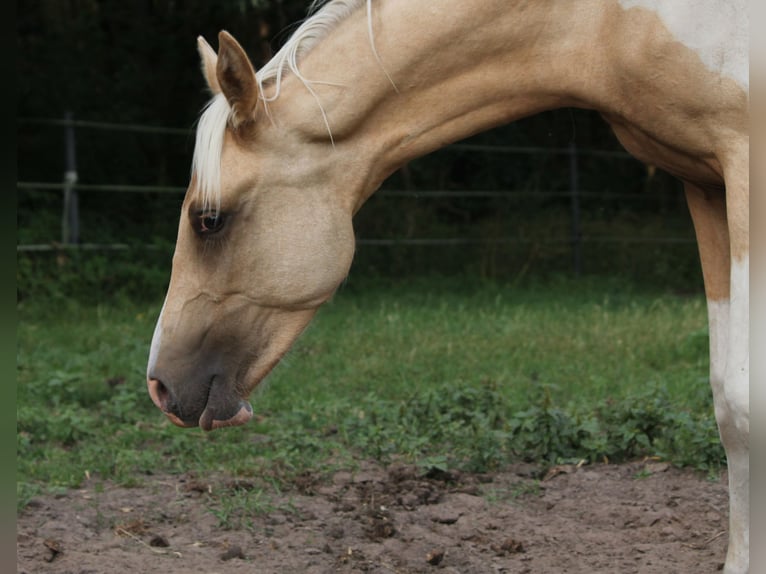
<point>162,392</point>
<point>163,398</point>
<point>159,393</point>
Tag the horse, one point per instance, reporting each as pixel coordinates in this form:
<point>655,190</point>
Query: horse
<point>284,157</point>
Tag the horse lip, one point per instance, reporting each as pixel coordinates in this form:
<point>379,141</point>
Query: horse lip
<point>244,414</point>
<point>220,400</point>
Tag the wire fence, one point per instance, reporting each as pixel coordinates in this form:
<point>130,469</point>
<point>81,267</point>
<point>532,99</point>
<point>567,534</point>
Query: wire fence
<point>70,188</point>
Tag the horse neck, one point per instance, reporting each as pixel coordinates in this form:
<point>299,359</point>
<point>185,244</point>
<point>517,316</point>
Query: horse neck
<point>445,71</point>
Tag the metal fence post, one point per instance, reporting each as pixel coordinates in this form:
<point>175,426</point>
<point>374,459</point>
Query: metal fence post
<point>574,191</point>
<point>70,217</point>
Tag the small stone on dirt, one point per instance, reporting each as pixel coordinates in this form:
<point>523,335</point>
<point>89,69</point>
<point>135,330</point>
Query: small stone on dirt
<point>435,557</point>
<point>233,552</point>
<point>508,546</point>
<point>54,549</point>
<point>444,515</point>
<point>159,541</point>
<point>380,524</point>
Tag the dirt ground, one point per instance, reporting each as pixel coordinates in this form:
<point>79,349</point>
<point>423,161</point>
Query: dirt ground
<point>639,517</point>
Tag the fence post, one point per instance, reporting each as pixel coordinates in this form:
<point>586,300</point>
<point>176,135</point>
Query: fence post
<point>574,191</point>
<point>70,217</point>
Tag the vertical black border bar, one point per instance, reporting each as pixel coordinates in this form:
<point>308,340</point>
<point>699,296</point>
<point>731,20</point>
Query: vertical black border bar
<point>8,318</point>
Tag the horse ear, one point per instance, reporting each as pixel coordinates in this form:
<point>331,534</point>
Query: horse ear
<point>236,77</point>
<point>208,59</point>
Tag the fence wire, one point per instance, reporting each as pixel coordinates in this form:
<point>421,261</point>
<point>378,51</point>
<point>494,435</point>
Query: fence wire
<point>574,193</point>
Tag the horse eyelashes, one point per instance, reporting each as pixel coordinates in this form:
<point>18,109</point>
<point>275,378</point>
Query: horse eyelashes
<point>207,223</point>
<point>211,223</point>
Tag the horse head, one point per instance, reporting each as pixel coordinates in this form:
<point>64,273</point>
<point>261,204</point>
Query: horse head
<point>262,243</point>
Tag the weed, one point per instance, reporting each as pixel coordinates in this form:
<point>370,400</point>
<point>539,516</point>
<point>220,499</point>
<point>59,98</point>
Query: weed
<point>234,508</point>
<point>523,489</point>
<point>517,490</point>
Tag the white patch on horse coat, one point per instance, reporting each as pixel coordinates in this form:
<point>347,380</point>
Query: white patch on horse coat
<point>154,350</point>
<point>737,393</point>
<point>717,30</point>
<point>738,356</point>
<point>729,379</point>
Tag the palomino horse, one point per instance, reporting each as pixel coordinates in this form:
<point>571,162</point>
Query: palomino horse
<point>286,156</point>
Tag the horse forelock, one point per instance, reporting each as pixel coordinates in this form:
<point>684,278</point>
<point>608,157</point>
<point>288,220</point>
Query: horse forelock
<point>208,146</point>
<point>215,117</point>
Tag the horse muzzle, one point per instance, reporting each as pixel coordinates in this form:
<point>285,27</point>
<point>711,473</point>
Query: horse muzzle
<point>223,407</point>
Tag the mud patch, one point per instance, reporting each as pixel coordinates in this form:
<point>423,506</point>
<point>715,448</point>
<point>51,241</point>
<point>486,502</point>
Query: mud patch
<point>604,518</point>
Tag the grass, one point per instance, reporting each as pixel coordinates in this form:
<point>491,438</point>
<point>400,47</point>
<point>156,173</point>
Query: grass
<point>441,373</point>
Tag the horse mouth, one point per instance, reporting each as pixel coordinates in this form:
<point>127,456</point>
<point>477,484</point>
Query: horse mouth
<point>209,420</point>
<point>223,407</point>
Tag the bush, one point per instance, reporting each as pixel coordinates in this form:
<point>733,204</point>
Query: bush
<point>475,428</point>
<point>93,276</point>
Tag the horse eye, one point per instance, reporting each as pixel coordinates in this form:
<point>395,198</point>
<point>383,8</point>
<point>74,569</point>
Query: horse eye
<point>207,222</point>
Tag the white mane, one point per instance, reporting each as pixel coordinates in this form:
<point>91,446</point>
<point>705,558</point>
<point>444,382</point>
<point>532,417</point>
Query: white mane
<point>211,128</point>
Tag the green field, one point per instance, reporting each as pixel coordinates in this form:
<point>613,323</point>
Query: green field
<point>440,373</point>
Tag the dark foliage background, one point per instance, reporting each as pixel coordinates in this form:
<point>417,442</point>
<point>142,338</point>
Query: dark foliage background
<point>136,63</point>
